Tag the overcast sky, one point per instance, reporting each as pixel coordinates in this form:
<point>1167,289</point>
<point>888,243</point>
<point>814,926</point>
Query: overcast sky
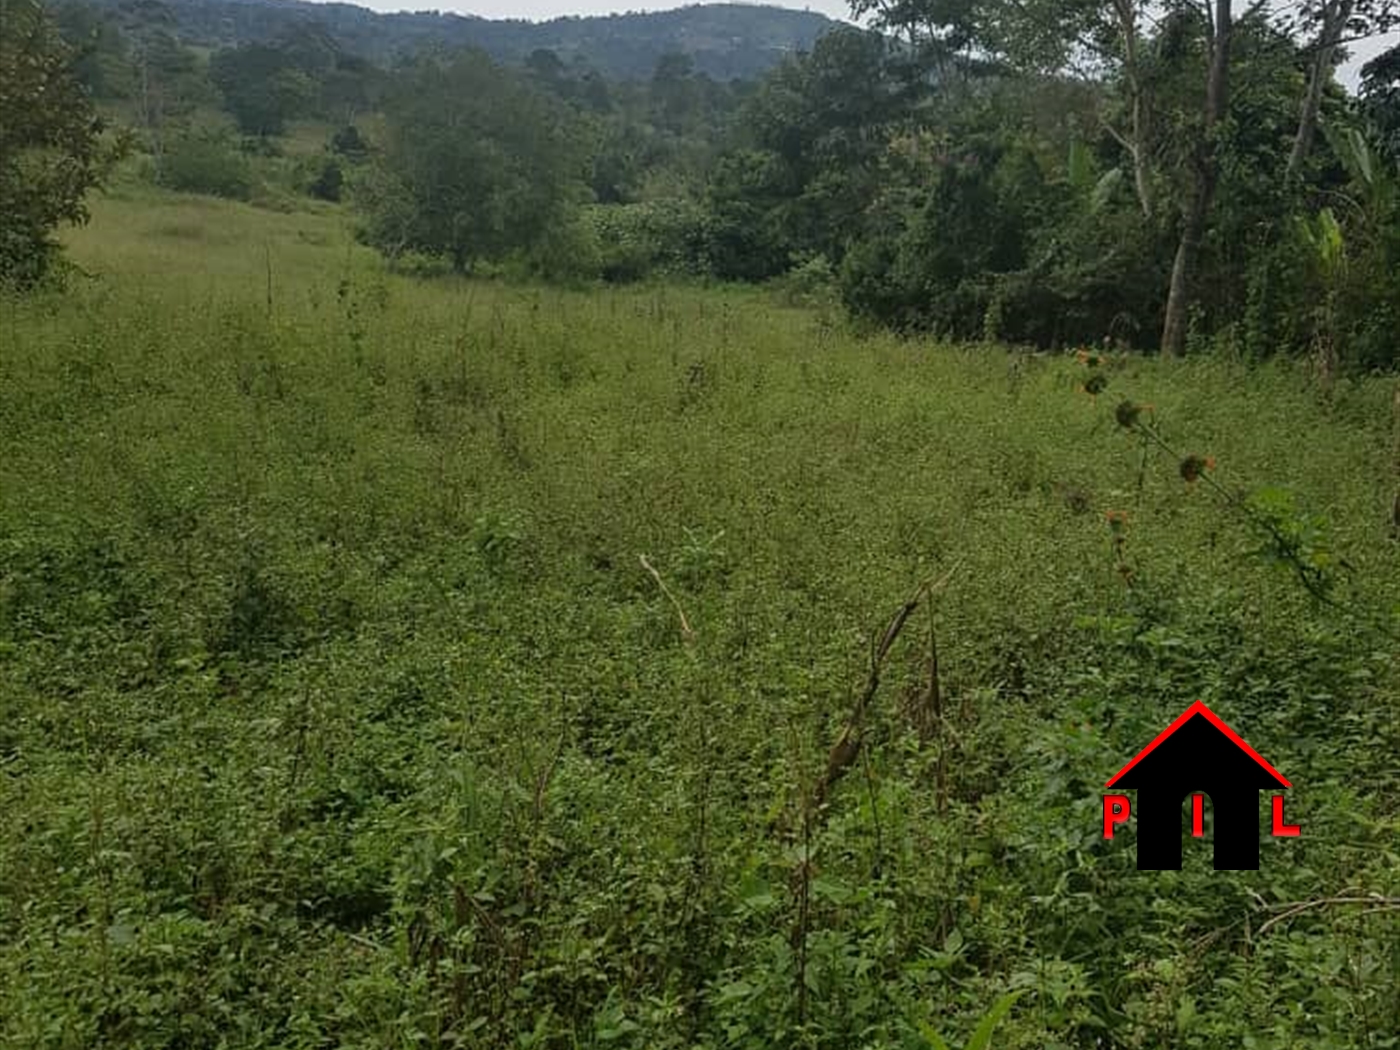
<point>537,10</point>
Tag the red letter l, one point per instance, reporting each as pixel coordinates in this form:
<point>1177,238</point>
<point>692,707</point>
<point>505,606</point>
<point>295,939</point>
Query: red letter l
<point>1280,828</point>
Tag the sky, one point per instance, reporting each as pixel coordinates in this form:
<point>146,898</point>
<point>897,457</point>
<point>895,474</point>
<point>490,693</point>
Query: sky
<point>538,10</point>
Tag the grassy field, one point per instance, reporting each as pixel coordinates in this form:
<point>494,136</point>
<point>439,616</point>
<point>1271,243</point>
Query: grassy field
<point>340,708</point>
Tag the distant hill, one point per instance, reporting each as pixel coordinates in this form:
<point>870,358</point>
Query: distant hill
<point>726,41</point>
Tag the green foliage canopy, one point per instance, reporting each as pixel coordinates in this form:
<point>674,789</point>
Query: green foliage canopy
<point>477,163</point>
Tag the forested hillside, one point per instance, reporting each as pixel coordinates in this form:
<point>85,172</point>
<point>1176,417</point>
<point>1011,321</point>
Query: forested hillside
<point>1040,173</point>
<point>725,41</point>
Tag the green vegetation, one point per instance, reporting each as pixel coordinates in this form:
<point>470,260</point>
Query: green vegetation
<point>51,151</point>
<point>341,709</point>
<point>207,163</point>
<point>1042,173</point>
<point>726,40</point>
<point>712,623</point>
<point>476,164</point>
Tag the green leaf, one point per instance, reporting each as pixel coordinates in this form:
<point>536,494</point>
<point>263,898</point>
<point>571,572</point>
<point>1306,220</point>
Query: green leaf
<point>121,933</point>
<point>1185,1013</point>
<point>1080,165</point>
<point>1362,155</point>
<point>1104,189</point>
<point>982,1037</point>
<point>931,1037</point>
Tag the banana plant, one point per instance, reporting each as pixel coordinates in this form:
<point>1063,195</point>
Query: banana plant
<point>1324,235</point>
<point>1377,185</point>
<point>1082,173</point>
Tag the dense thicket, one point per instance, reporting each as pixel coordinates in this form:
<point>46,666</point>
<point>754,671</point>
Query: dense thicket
<point>1055,172</point>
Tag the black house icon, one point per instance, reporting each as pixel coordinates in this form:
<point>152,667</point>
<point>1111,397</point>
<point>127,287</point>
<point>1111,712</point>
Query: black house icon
<point>1198,753</point>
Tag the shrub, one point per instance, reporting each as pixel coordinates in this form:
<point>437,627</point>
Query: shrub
<point>348,142</point>
<point>51,151</point>
<point>811,282</point>
<point>206,164</point>
<point>569,251</point>
<point>329,182</point>
<point>647,238</point>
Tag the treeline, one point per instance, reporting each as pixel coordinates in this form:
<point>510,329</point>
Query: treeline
<point>1036,171</point>
<point>1050,172</point>
<point>726,40</point>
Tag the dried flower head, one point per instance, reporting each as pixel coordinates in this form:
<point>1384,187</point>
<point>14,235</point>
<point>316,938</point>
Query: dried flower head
<point>1117,520</point>
<point>1192,467</point>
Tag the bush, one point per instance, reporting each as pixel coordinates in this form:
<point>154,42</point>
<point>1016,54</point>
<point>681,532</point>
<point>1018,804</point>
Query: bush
<point>811,282</point>
<point>329,183</point>
<point>51,151</point>
<point>260,146</point>
<point>649,238</point>
<point>348,142</point>
<point>985,246</point>
<point>206,164</point>
<point>568,252</point>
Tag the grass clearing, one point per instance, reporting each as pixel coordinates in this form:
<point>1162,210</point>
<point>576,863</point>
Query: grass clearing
<point>341,712</point>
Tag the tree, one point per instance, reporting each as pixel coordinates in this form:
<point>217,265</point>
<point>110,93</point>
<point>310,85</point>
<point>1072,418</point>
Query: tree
<point>168,82</point>
<point>101,61</point>
<point>1380,97</point>
<point>937,34</point>
<point>544,65</point>
<point>263,87</point>
<point>805,168</point>
<point>50,148</point>
<point>1204,163</point>
<point>351,88</point>
<point>350,143</point>
<point>476,163</point>
<point>1105,39</point>
<point>1336,23</point>
<point>676,93</point>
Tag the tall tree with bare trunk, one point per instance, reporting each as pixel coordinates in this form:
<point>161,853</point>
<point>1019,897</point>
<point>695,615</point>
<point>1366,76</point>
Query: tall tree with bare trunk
<point>1205,172</point>
<point>1334,24</point>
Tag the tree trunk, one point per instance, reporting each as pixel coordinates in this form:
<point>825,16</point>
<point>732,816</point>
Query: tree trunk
<point>1142,182</point>
<point>1206,165</point>
<point>1183,268</point>
<point>1334,20</point>
<point>1141,177</point>
<point>150,107</point>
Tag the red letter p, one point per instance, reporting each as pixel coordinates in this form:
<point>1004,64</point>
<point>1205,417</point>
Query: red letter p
<point>1115,811</point>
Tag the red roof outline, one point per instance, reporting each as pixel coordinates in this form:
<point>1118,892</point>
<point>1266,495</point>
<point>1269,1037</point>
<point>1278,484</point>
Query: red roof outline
<point>1199,708</point>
